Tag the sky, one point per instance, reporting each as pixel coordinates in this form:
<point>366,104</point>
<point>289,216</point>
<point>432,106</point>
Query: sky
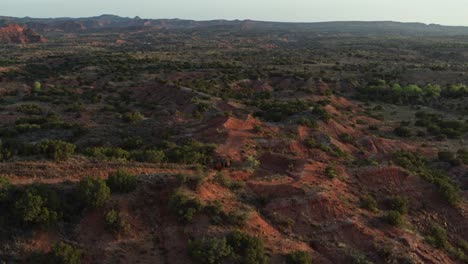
<point>446,12</point>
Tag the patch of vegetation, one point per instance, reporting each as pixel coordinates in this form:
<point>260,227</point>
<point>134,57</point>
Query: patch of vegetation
<point>210,251</point>
<point>437,236</point>
<point>34,207</point>
<point>184,206</point>
<point>251,163</point>
<point>398,204</point>
<point>56,149</point>
<point>393,218</point>
<point>30,109</point>
<point>93,192</point>
<point>331,172</point>
<point>133,117</point>
<point>418,165</point>
<point>63,253</point>
<point>368,202</point>
<point>236,246</point>
<point>191,152</point>
<point>115,222</point>
<point>298,257</point>
<point>121,181</point>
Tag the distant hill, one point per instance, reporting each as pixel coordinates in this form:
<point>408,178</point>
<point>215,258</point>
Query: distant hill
<point>107,22</point>
<point>17,34</point>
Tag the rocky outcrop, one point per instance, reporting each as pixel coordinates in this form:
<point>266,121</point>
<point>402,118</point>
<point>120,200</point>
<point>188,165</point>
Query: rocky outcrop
<point>17,34</point>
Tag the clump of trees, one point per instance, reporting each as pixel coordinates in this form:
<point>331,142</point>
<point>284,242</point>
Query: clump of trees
<point>237,246</point>
<point>298,257</point>
<point>93,192</point>
<point>63,253</point>
<point>121,181</point>
<point>115,222</point>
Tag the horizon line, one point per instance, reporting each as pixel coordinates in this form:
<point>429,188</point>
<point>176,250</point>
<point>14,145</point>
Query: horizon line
<point>236,19</point>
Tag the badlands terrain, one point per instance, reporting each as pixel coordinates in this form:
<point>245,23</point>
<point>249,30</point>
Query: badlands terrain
<point>129,140</point>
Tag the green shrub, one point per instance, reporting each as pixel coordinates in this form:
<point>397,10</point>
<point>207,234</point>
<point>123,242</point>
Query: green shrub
<point>249,249</point>
<point>5,187</point>
<point>30,109</point>
<point>104,153</point>
<point>191,152</point>
<point>462,154</point>
<point>308,122</point>
<point>393,218</point>
<point>236,218</point>
<point>330,172</point>
<point>222,179</point>
<point>114,222</point>
<point>33,208</point>
<point>151,156</point>
<point>298,257</point>
<point>399,204</point>
<point>237,247</point>
<point>121,181</point>
<point>257,129</point>
<point>25,128</point>
<point>210,251</point>
<point>437,236</point>
<point>93,192</point>
<point>133,117</point>
<point>403,131</point>
<point>37,87</point>
<point>56,149</point>
<point>251,163</point>
<point>346,138</point>
<point>368,202</point>
<point>184,207</point>
<point>132,142</point>
<point>63,253</point>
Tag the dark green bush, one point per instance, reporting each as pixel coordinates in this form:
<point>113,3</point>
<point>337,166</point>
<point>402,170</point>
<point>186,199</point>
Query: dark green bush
<point>210,251</point>
<point>115,222</point>
<point>121,181</point>
<point>368,202</point>
<point>393,218</point>
<point>398,204</point>
<point>5,187</point>
<point>184,207</point>
<point>30,109</point>
<point>63,253</point>
<point>331,172</point>
<point>403,131</point>
<point>298,257</point>
<point>56,149</point>
<point>107,153</point>
<point>437,236</point>
<point>132,142</point>
<point>133,117</point>
<point>237,247</point>
<point>93,192</point>
<point>191,152</point>
<point>150,156</point>
<point>34,207</point>
<point>249,249</point>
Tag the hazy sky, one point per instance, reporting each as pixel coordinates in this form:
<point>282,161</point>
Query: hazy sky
<point>448,12</point>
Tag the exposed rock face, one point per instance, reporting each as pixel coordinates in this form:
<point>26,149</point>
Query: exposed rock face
<point>19,35</point>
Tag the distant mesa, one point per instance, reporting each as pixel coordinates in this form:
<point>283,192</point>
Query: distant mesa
<point>16,34</point>
<point>71,26</point>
